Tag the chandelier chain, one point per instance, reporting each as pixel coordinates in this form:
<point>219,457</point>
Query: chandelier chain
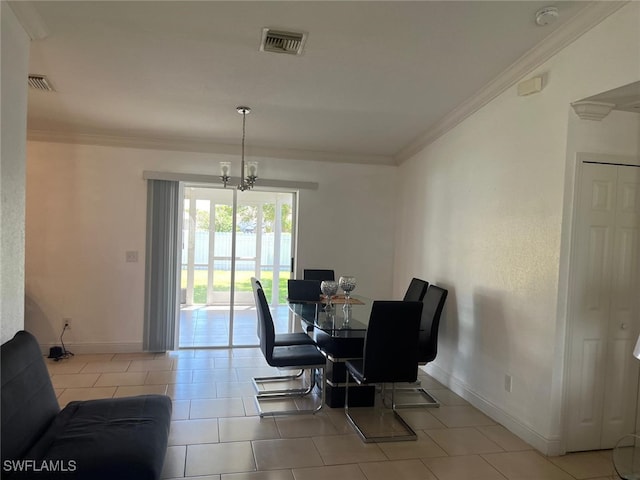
<point>248,176</point>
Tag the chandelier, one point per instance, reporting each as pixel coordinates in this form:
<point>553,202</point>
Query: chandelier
<point>248,170</point>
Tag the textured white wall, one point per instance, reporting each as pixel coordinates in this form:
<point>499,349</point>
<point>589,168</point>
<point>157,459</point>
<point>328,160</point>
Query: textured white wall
<point>86,206</point>
<point>15,56</point>
<point>481,213</point>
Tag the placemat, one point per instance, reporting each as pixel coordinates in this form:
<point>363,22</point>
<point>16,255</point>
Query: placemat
<point>340,300</point>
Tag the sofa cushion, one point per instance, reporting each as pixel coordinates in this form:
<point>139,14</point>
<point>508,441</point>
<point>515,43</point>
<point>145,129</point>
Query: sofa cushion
<point>29,402</point>
<point>124,438</point>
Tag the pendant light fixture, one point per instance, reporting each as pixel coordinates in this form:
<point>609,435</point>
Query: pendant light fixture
<point>248,170</point>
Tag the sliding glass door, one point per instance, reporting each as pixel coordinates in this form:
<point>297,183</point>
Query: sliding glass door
<point>228,237</point>
<point>263,239</point>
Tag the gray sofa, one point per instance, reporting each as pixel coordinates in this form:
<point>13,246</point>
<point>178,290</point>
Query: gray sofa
<point>113,438</point>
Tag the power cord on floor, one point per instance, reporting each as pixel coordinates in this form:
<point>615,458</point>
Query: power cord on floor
<point>65,353</point>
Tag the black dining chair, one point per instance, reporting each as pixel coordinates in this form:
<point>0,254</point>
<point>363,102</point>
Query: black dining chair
<point>434,302</point>
<point>303,290</point>
<point>319,275</point>
<point>281,339</point>
<point>390,355</point>
<point>289,357</point>
<point>415,293</point>
<point>416,290</point>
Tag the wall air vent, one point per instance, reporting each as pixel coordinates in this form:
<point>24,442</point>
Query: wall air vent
<point>40,82</point>
<point>280,41</point>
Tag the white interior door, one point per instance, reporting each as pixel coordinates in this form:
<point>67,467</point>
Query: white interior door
<point>603,374</point>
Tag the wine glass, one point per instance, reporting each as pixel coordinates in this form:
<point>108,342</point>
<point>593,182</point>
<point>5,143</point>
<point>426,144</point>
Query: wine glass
<point>329,288</point>
<point>348,285</point>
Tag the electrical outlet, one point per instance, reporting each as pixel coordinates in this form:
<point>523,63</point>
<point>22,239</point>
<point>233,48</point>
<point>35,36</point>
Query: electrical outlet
<point>132,256</point>
<point>66,322</point>
<point>507,382</point>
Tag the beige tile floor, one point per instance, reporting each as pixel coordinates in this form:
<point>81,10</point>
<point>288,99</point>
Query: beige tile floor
<point>217,435</point>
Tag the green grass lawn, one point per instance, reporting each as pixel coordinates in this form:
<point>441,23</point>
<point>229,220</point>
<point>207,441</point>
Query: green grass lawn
<point>222,283</point>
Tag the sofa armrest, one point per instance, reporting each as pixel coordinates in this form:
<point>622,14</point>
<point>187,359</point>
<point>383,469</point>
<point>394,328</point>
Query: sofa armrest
<point>28,404</point>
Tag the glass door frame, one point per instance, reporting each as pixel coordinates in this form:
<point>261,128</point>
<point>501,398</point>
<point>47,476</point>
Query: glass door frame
<point>234,259</point>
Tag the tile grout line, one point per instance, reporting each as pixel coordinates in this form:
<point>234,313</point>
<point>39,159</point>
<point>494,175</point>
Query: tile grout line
<point>454,417</point>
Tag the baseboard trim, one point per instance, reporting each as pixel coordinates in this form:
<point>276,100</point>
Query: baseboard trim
<point>93,348</point>
<point>547,446</point>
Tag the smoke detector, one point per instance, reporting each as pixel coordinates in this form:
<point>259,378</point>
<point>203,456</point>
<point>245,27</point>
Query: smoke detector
<point>40,82</point>
<point>281,41</point>
<point>546,16</point>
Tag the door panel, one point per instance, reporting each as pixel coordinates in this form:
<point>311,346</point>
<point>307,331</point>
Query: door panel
<point>598,268</point>
<point>621,384</point>
<point>264,246</point>
<point>206,266</point>
<point>603,375</point>
<point>590,371</point>
<point>595,225</point>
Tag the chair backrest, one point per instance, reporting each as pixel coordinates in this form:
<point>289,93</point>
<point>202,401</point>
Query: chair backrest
<point>267,330</point>
<point>391,345</point>
<point>303,290</point>
<point>320,275</point>
<point>255,285</point>
<point>416,290</point>
<point>434,302</point>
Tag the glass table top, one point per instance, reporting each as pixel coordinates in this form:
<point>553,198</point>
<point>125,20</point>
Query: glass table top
<point>338,321</point>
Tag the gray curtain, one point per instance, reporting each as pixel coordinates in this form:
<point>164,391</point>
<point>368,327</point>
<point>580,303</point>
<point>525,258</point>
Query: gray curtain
<point>161,279</point>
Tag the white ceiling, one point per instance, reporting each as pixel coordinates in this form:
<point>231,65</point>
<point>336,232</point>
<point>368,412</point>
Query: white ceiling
<point>375,77</point>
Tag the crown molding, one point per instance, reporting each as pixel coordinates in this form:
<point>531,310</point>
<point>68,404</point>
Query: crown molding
<point>30,19</point>
<point>587,18</point>
<point>589,110</point>
<point>200,146</point>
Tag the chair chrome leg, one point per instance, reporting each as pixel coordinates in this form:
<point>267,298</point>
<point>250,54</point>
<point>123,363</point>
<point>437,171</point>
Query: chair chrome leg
<point>283,393</point>
<point>411,435</point>
<point>352,422</point>
<point>431,401</point>
<point>292,393</point>
<point>277,378</point>
<point>408,436</point>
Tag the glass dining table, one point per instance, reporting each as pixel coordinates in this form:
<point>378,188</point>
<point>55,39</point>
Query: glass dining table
<point>336,320</point>
<point>339,333</point>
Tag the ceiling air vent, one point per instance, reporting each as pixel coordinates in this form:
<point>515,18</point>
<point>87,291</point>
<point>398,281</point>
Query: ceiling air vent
<point>279,41</point>
<point>40,82</point>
